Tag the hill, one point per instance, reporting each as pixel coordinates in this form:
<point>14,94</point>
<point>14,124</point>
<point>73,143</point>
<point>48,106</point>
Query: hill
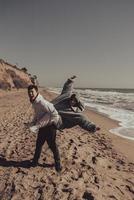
<point>13,77</point>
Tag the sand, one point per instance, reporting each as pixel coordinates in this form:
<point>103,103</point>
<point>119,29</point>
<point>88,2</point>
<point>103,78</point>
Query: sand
<point>94,166</point>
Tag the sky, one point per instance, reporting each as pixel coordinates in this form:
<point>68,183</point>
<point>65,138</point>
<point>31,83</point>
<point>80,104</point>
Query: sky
<point>55,39</point>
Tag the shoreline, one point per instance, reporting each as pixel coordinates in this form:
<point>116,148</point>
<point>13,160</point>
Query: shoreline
<point>123,145</point>
<point>116,127</point>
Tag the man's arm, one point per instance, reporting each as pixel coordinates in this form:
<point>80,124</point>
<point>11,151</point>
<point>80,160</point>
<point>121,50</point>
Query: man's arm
<point>68,85</point>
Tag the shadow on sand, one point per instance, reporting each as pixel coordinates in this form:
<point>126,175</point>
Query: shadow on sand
<point>23,164</point>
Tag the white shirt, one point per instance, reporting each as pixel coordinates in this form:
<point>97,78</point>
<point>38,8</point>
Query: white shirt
<point>43,107</point>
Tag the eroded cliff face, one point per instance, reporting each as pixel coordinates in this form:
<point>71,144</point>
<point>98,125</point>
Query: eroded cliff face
<point>12,77</point>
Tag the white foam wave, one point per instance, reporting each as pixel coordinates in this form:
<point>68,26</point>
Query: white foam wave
<point>127,133</point>
<point>124,117</point>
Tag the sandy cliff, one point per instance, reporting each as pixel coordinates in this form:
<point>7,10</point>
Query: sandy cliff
<point>12,77</point>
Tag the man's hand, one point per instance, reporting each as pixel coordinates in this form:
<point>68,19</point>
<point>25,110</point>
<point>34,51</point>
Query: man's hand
<point>34,129</point>
<point>73,77</point>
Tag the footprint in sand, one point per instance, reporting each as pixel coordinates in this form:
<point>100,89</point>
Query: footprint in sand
<point>112,197</point>
<point>129,188</point>
<point>83,163</point>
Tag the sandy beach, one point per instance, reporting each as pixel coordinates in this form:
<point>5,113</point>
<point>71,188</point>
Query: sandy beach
<point>94,166</point>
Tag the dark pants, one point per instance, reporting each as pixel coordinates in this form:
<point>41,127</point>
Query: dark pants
<point>71,120</point>
<point>47,134</point>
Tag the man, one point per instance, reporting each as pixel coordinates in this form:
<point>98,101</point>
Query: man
<point>45,122</point>
<point>69,106</point>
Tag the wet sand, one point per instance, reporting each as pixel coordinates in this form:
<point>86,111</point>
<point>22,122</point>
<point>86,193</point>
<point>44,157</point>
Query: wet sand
<point>122,145</point>
<point>98,166</point>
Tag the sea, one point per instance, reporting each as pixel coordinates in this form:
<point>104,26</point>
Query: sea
<point>116,104</point>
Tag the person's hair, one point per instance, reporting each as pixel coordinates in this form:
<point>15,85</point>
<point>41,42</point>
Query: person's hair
<point>30,87</point>
<point>73,96</point>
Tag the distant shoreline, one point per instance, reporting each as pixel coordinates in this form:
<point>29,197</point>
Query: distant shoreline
<point>124,90</point>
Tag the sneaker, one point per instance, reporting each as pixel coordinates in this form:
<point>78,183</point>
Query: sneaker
<point>58,167</point>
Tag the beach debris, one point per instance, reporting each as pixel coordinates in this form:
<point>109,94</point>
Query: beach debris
<point>94,160</point>
<point>88,196</point>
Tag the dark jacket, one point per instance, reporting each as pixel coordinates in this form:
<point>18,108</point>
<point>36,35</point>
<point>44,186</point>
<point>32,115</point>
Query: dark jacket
<point>62,102</point>
<point>71,116</point>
